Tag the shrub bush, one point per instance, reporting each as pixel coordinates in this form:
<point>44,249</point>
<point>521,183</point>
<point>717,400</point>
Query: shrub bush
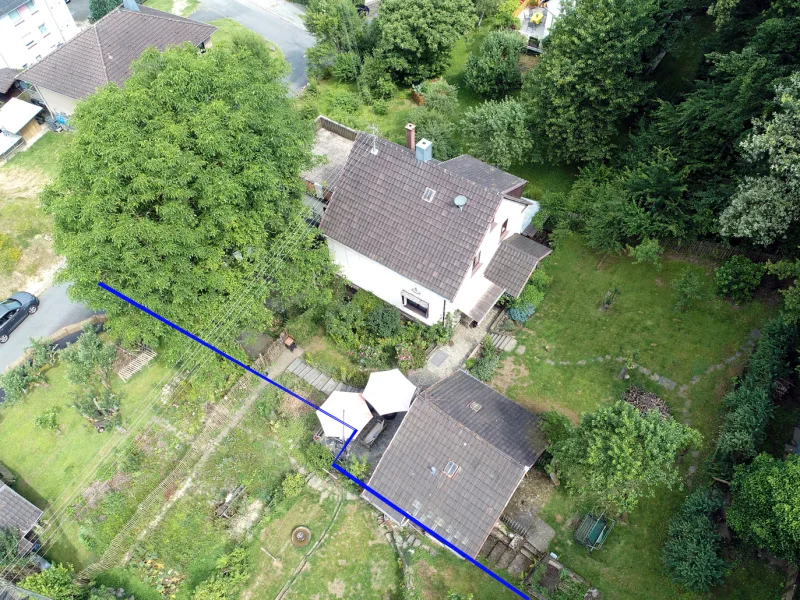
<point>370,357</point>
<point>303,327</point>
<point>317,457</point>
<point>380,107</point>
<point>345,102</point>
<point>692,552</point>
<point>293,485</point>
<point>410,356</point>
<point>47,420</point>
<point>494,71</point>
<point>485,365</point>
<point>15,382</point>
<point>688,289</point>
<point>384,321</point>
<point>738,278</point>
<point>345,66</point>
<point>229,578</point>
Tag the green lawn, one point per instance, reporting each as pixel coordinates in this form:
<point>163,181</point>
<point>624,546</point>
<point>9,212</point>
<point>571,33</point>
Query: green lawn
<point>355,561</point>
<point>441,572</point>
<point>46,463</point>
<point>44,155</point>
<point>570,327</point>
<point>628,566</point>
<point>308,509</point>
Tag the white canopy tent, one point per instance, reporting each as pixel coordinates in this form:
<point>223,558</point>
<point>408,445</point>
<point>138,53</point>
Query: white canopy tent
<point>347,406</point>
<point>389,392</point>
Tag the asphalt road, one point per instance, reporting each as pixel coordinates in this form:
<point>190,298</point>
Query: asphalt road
<point>79,9</point>
<point>55,311</point>
<point>278,21</point>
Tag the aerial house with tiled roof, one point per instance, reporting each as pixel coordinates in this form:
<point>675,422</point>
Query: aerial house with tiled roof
<point>103,53</point>
<point>457,459</point>
<point>429,237</point>
<point>18,515</point>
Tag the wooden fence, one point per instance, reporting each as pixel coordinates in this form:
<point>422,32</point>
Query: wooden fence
<point>714,250</point>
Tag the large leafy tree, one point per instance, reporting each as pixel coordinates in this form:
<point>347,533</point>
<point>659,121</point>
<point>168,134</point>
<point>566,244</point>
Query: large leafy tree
<point>764,509</point>
<point>340,32</point>
<point>616,455</point>
<point>178,188</point>
<point>416,37</point>
<point>496,132</point>
<point>494,71</point>
<point>589,78</point>
<point>765,207</point>
<point>100,8</point>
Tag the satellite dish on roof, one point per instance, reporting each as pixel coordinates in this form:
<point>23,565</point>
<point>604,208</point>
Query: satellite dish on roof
<point>460,202</point>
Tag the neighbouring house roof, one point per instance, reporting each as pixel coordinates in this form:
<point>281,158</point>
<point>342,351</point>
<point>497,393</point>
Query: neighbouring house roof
<point>7,77</point>
<point>377,209</point>
<point>6,6</point>
<point>16,512</point>
<point>104,52</point>
<point>16,113</point>
<point>491,448</point>
<point>514,262</point>
<point>483,174</point>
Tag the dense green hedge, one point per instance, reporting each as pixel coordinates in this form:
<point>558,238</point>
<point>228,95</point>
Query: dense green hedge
<point>692,552</point>
<point>749,406</point>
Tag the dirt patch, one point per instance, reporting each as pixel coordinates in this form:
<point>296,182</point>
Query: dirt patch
<point>529,498</point>
<point>336,587</point>
<point>245,521</point>
<point>21,183</point>
<point>550,578</point>
<point>528,62</point>
<point>508,373</point>
<point>290,407</point>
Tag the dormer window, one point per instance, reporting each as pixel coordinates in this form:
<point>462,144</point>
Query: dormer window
<point>476,262</point>
<point>504,229</point>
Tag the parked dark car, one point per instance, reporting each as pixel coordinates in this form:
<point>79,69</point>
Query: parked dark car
<point>13,312</point>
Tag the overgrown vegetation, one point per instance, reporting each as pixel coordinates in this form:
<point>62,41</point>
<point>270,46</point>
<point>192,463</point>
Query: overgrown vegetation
<point>749,406</point>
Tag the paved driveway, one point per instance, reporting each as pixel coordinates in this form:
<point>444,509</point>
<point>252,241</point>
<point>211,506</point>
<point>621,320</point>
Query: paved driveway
<point>79,9</point>
<point>55,311</point>
<point>277,20</point>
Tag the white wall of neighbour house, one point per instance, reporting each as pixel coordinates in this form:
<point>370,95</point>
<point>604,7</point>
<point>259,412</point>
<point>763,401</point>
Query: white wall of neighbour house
<point>387,284</point>
<point>58,103</point>
<point>33,30</point>
<point>475,284</point>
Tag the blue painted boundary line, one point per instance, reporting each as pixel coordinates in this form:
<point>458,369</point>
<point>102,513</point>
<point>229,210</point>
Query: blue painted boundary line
<point>338,468</point>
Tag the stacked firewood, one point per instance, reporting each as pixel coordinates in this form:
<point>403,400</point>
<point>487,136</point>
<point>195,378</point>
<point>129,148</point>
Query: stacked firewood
<point>644,401</point>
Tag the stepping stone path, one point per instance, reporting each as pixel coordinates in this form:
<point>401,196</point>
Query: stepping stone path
<point>504,343</point>
<point>322,382</point>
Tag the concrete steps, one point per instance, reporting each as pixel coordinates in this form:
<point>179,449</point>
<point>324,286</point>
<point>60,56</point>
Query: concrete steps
<point>317,379</point>
<point>502,342</point>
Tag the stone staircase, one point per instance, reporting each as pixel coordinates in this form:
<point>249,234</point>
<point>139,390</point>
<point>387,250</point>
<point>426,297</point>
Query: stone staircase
<point>317,379</point>
<point>512,553</point>
<point>503,342</point>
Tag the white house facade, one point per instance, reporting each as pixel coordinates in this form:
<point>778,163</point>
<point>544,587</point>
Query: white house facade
<point>428,237</point>
<point>31,30</point>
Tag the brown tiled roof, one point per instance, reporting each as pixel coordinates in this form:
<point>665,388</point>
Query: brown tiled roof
<point>377,209</point>
<point>483,174</point>
<point>7,77</point>
<point>16,512</point>
<point>492,449</point>
<point>104,52</point>
<point>513,263</point>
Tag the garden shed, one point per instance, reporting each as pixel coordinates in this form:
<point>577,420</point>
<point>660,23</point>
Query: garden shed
<point>19,118</point>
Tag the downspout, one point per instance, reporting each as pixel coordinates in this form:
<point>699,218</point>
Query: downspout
<point>444,310</point>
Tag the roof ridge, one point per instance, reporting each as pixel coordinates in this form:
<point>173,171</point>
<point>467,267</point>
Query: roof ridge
<point>472,431</point>
<point>169,17</point>
<point>100,47</point>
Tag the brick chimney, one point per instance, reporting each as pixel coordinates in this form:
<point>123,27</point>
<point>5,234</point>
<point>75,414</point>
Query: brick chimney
<point>411,142</point>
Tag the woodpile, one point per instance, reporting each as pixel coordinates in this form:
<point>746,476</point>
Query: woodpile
<point>644,401</point>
